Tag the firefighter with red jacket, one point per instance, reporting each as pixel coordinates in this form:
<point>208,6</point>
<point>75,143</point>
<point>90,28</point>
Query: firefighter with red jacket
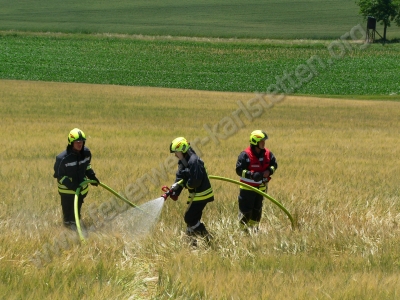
<point>255,165</point>
<point>72,167</point>
<point>192,175</point>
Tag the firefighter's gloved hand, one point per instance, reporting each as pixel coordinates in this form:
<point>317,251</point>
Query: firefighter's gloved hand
<point>174,196</point>
<point>257,176</point>
<point>267,179</point>
<point>94,183</point>
<point>177,190</point>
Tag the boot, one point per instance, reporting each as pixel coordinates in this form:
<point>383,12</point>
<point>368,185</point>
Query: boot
<point>203,233</point>
<point>191,237</point>
<point>70,225</point>
<point>253,227</point>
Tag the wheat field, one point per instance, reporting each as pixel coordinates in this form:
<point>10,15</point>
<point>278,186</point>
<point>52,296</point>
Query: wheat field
<point>338,175</point>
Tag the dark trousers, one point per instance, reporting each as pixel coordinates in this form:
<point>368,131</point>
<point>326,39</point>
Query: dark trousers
<point>67,204</point>
<point>194,212</point>
<point>250,206</point>
<point>193,216</point>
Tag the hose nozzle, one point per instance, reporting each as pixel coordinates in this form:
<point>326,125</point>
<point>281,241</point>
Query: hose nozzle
<point>167,192</point>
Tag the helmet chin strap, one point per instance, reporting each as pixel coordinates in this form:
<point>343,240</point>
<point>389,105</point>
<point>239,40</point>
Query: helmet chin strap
<point>184,162</point>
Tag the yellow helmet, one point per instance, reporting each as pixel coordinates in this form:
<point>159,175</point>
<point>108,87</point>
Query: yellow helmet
<point>257,136</point>
<point>76,135</point>
<point>180,144</point>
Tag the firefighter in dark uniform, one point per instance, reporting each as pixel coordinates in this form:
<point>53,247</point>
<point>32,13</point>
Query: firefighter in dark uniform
<point>255,165</point>
<point>193,176</point>
<point>72,166</point>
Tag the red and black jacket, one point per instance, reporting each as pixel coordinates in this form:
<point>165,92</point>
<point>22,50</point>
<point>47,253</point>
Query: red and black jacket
<point>250,162</point>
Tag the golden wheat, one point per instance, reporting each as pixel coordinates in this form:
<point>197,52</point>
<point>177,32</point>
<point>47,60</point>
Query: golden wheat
<point>337,175</point>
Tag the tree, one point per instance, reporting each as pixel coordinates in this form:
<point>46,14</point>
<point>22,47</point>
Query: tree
<point>384,11</point>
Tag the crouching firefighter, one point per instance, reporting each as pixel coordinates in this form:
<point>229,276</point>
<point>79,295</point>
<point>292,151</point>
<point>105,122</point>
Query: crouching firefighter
<point>72,167</point>
<point>192,175</point>
<point>255,165</point>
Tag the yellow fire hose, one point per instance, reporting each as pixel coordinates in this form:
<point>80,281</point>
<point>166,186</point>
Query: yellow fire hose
<point>78,190</point>
<point>259,192</point>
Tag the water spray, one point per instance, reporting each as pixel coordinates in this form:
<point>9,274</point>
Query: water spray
<point>134,224</point>
<point>77,221</point>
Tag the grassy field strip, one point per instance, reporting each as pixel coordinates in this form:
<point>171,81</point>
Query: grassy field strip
<point>288,19</point>
<point>304,68</point>
<point>337,175</point>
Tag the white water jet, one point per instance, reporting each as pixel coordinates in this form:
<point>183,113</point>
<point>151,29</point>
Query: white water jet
<point>138,222</point>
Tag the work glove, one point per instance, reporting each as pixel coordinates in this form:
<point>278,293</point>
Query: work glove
<point>267,179</point>
<point>267,176</point>
<point>174,196</point>
<point>257,176</point>
<point>93,177</point>
<point>176,189</point>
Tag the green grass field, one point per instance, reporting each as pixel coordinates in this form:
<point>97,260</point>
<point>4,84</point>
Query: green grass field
<point>286,19</point>
<point>314,68</point>
<point>337,175</point>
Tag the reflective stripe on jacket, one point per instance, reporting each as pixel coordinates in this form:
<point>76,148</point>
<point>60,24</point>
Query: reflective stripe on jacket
<point>64,189</point>
<point>208,195</point>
